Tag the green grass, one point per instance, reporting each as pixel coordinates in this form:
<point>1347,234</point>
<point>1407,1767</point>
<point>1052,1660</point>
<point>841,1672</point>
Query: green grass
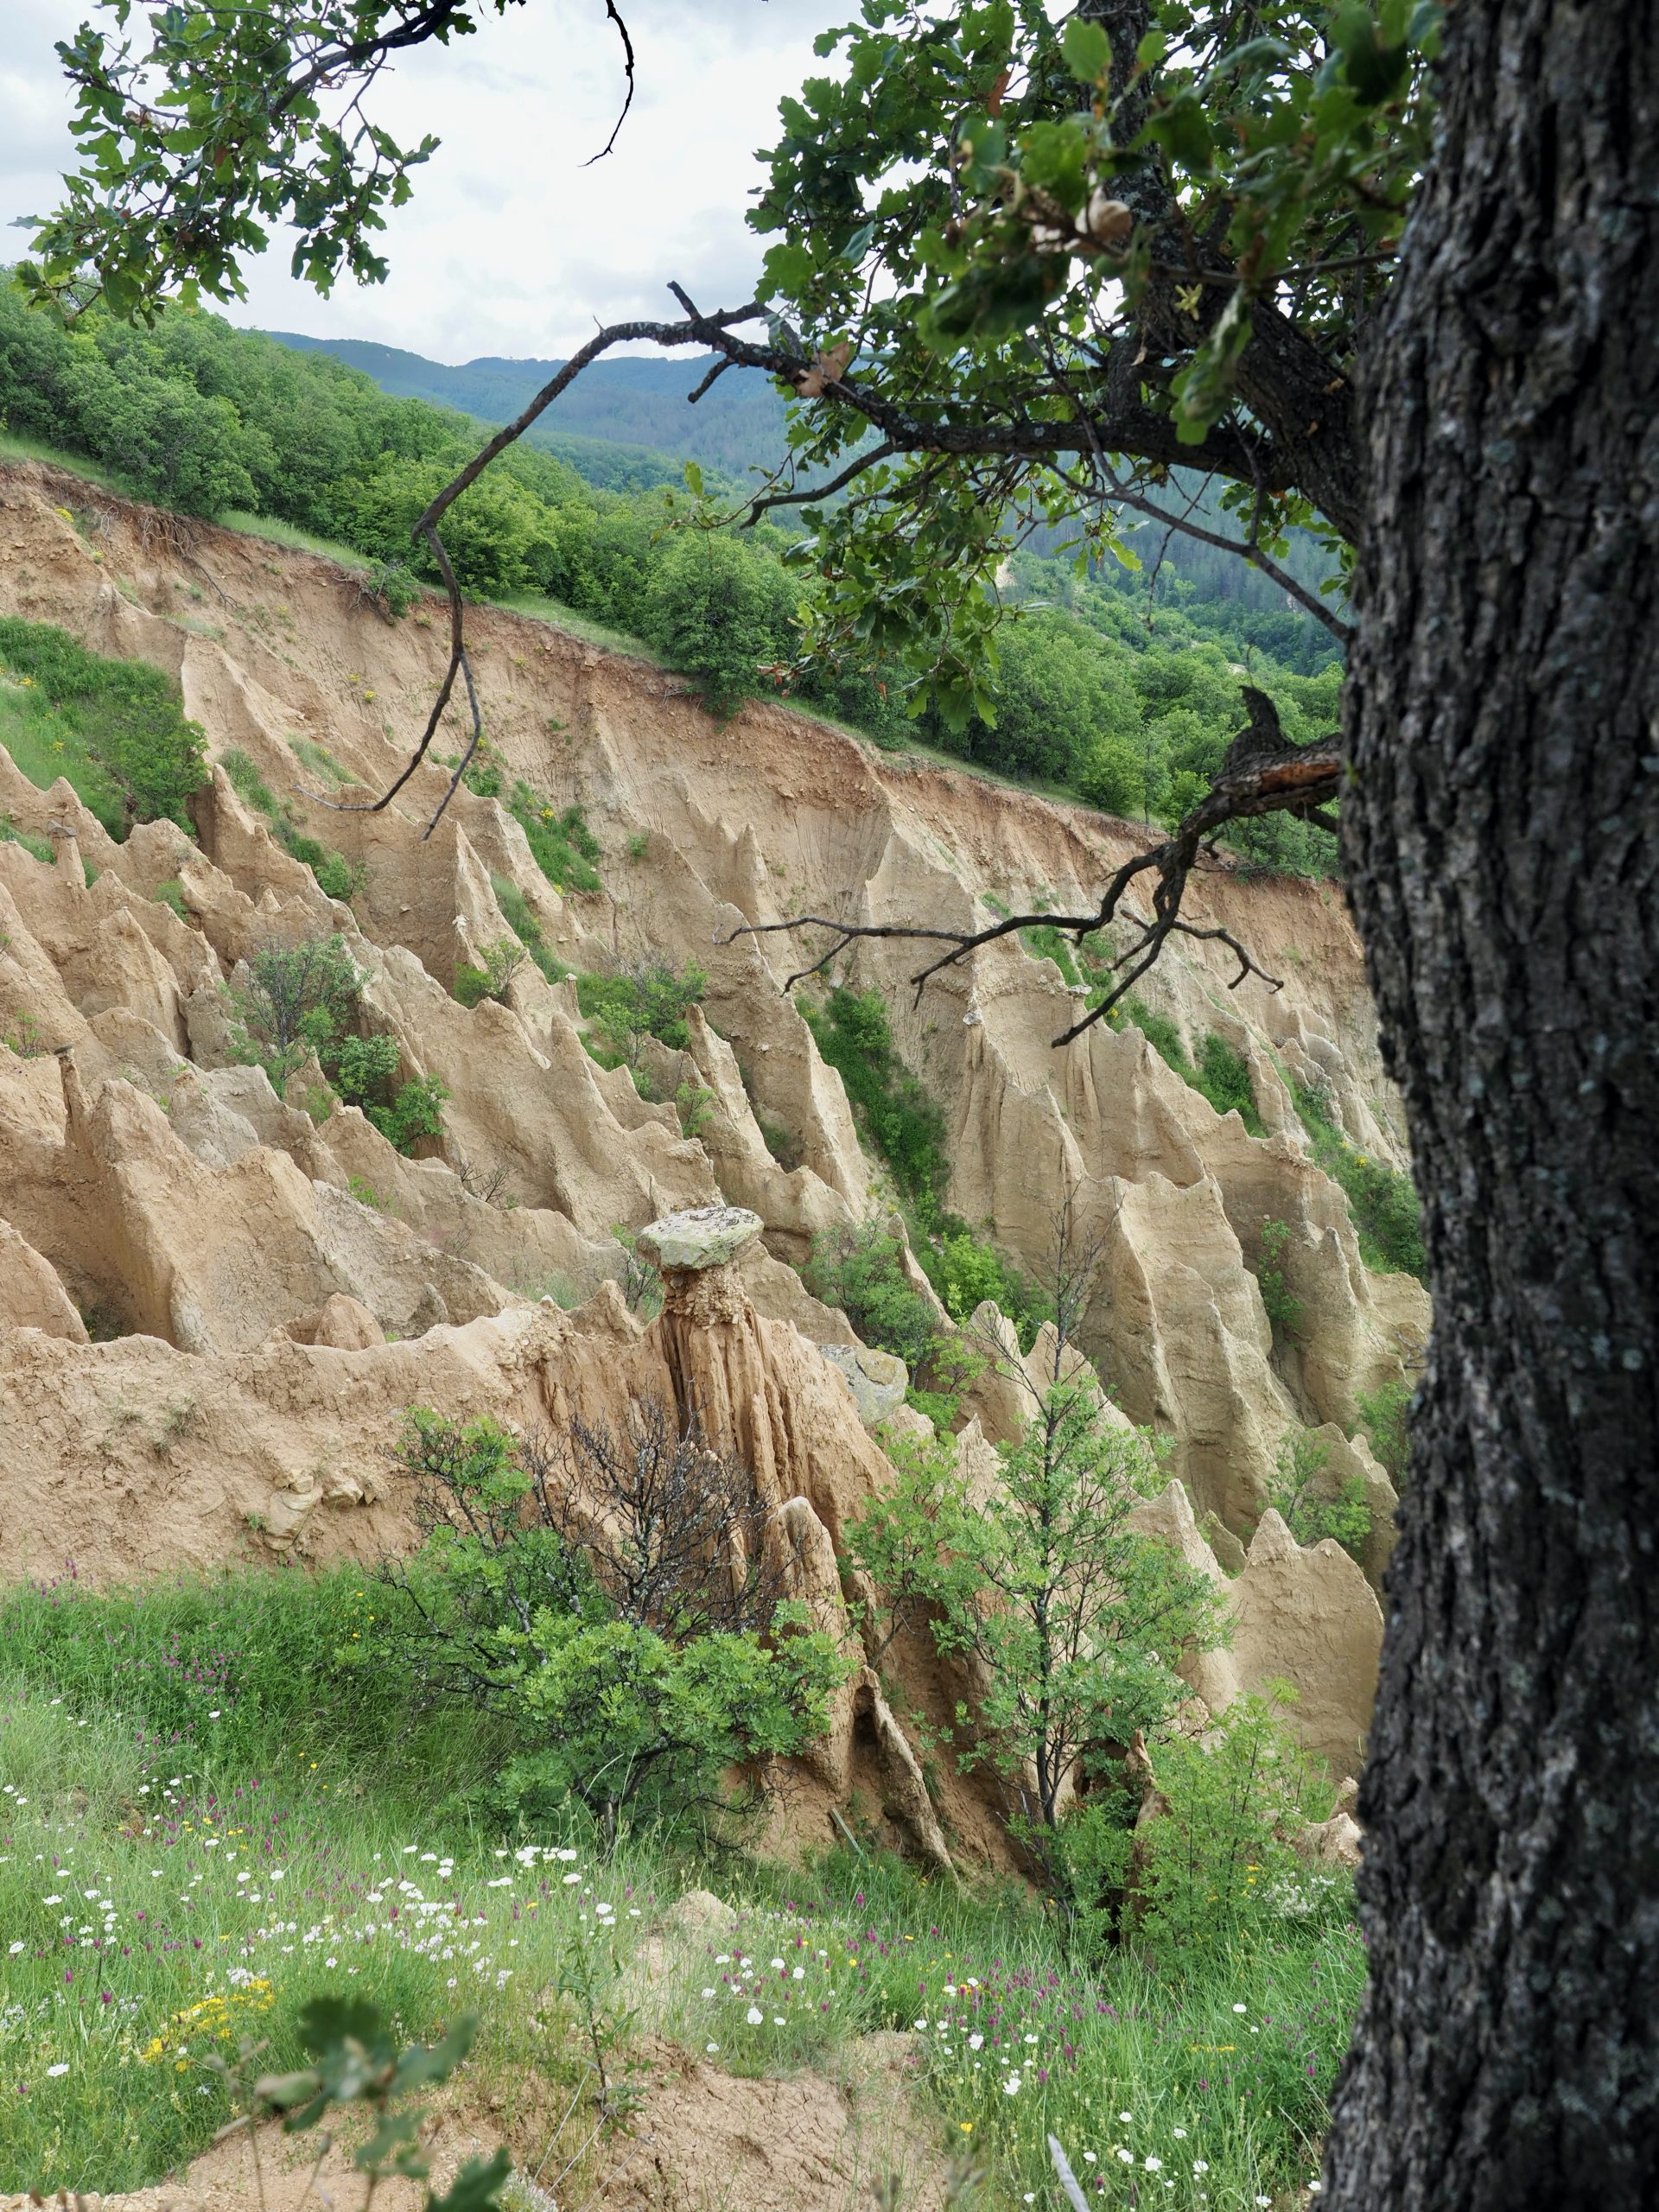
<point>558,616</point>
<point>14,448</point>
<point>1382,1201</point>
<point>320,760</point>
<point>210,1814</point>
<point>11,835</point>
<point>44,745</point>
<point>337,876</point>
<point>1221,1073</point>
<point>1047,943</point>
<point>298,541</point>
<point>116,729</point>
<point>903,1127</point>
<point>562,844</point>
<point>520,918</point>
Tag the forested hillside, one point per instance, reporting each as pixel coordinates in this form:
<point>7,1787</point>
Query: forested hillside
<point>1102,691</point>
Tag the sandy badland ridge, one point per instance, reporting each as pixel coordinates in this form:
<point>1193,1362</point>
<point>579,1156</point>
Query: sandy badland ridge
<point>266,1327</point>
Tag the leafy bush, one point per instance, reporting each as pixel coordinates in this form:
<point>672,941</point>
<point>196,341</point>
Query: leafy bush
<point>363,1067</point>
<point>337,877</point>
<point>297,999</point>
<point>694,1103</point>
<point>722,612</point>
<point>648,999</point>
<point>502,962</point>
<point>905,1126</point>
<point>1283,1307</point>
<point>614,1595</point>
<point>116,727</point>
<point>1384,1415</point>
<point>1304,1501</point>
<point>965,1271</point>
<point>1218,1867</point>
<point>171,894</point>
<point>860,1269</point>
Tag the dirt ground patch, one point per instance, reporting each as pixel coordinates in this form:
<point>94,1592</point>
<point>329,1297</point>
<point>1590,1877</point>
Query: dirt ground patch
<point>702,2141</point>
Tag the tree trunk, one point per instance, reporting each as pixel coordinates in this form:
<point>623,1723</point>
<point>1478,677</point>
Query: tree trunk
<point>1502,832</point>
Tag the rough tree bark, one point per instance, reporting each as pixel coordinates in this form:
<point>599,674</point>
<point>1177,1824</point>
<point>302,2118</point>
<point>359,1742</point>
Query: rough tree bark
<point>1502,832</point>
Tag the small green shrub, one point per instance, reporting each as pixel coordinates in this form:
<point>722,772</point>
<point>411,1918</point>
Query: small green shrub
<point>520,919</point>
<point>860,1269</point>
<point>1284,1308</point>
<point>416,1111</point>
<point>1217,1867</point>
<point>1224,1078</point>
<point>694,1104</point>
<point>24,1037</point>
<point>1163,1036</point>
<point>363,1068</point>
<point>648,1000</point>
<point>171,893</point>
<point>1384,1415</point>
<point>394,588</point>
<point>502,961</point>
<point>564,847</point>
<point>339,878</point>
<point>781,1143</point>
<point>1305,1502</point>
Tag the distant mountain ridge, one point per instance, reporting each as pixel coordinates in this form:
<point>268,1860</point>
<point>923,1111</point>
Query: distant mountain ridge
<point>630,401</point>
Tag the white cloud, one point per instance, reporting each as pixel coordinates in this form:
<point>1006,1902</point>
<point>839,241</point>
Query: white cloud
<point>511,244</point>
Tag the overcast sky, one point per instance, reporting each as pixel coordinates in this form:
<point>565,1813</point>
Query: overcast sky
<point>511,246</point>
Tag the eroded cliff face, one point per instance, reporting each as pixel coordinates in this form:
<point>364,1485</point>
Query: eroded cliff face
<point>270,1292</point>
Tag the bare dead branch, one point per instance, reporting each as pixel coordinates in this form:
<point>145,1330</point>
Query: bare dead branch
<point>1262,774</point>
<point>627,97</point>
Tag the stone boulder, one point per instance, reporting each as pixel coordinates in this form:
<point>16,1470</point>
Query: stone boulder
<point>700,1236</point>
<point>878,1380</point>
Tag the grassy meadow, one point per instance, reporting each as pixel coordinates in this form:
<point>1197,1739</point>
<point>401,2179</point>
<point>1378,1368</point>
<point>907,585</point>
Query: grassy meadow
<point>212,1813</point>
